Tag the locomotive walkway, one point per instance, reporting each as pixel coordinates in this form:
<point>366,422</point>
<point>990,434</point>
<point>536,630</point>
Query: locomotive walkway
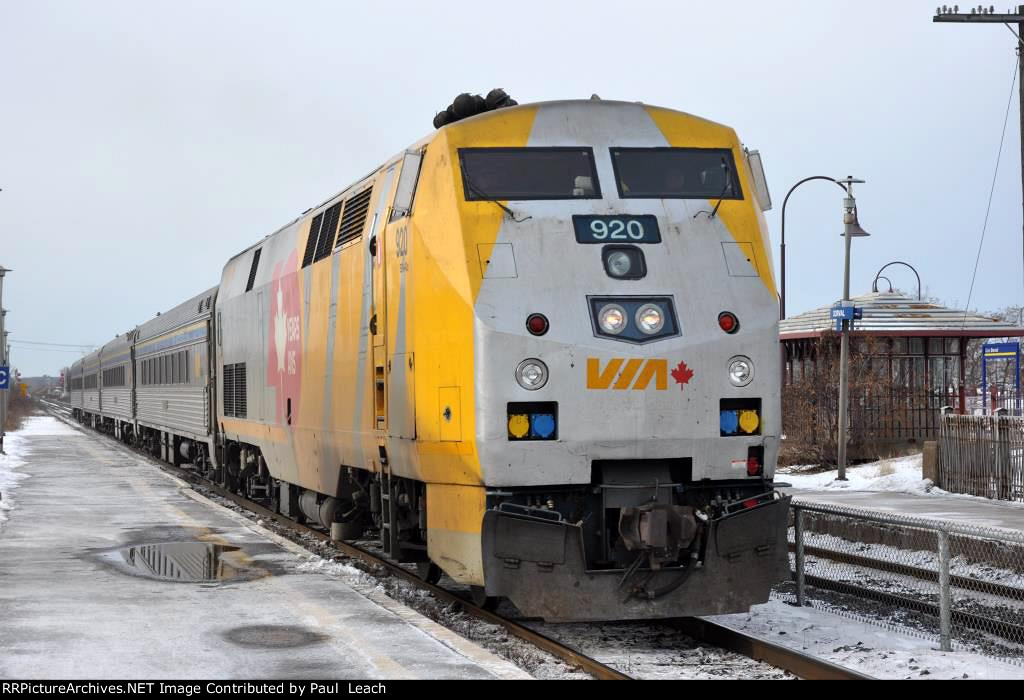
<point>110,568</point>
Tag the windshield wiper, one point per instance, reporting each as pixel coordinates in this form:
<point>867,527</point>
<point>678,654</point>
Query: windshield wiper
<point>725,190</point>
<point>487,198</point>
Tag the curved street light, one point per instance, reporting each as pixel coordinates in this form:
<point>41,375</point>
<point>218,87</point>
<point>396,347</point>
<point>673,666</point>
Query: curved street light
<point>782,247</point>
<point>874,285</point>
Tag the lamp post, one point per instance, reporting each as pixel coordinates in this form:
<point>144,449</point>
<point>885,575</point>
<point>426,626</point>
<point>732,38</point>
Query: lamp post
<point>851,229</point>
<point>782,246</point>
<point>874,285</point>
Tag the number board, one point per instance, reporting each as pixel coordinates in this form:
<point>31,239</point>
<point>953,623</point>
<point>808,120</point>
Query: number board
<point>621,229</point>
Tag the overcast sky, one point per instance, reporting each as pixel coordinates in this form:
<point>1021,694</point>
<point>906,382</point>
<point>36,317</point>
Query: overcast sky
<point>144,143</point>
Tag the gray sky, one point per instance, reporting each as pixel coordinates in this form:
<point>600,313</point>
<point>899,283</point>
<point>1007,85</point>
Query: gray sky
<point>144,143</point>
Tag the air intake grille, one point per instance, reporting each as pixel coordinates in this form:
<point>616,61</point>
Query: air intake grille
<point>354,219</point>
<point>327,231</point>
<point>314,232</point>
<point>252,273</point>
<point>235,390</point>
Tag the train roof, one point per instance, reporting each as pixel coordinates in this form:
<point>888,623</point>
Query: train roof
<point>594,101</point>
<point>195,309</point>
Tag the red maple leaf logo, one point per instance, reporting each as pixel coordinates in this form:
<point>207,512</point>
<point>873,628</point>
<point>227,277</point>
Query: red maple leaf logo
<point>682,374</point>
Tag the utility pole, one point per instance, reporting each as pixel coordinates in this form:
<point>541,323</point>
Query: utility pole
<point>981,15</point>
<point>851,230</point>
<point>4,360</point>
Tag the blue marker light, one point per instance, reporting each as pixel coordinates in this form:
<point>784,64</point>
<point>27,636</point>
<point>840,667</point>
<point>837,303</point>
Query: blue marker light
<point>542,425</point>
<point>728,421</point>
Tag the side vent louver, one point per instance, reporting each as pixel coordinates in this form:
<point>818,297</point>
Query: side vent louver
<point>235,390</point>
<point>252,273</point>
<point>354,218</point>
<point>314,233</point>
<point>327,230</point>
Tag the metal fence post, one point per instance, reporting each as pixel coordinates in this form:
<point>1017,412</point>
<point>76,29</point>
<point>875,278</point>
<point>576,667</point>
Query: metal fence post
<point>798,546</point>
<point>945,597</point>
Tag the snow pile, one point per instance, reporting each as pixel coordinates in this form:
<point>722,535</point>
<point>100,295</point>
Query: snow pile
<point>350,574</point>
<point>897,475</point>
<point>870,649</point>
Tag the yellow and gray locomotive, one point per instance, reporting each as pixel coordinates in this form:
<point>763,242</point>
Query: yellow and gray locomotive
<point>537,351</point>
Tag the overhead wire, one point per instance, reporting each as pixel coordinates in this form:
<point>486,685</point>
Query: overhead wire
<point>991,193</point>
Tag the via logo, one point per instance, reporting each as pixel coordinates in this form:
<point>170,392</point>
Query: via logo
<point>620,374</point>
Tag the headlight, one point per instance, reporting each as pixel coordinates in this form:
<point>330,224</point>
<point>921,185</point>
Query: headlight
<point>612,319</point>
<point>650,319</point>
<point>741,370</point>
<point>532,374</point>
<point>619,263</point>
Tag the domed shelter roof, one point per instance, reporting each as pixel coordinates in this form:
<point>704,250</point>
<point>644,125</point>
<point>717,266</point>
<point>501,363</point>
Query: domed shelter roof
<point>895,314</point>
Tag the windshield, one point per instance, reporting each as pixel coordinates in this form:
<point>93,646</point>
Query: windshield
<point>529,173</point>
<point>676,173</point>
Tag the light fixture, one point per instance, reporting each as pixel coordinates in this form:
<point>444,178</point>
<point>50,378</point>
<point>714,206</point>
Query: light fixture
<point>532,374</point>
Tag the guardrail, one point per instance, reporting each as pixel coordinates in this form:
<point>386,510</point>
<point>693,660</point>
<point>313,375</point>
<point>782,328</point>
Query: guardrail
<point>960,584</point>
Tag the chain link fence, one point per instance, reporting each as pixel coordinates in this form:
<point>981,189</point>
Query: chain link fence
<point>961,585</point>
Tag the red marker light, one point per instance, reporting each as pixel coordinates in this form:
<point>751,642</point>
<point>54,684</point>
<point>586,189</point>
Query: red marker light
<point>728,322</point>
<point>537,324</point>
<point>753,466</point>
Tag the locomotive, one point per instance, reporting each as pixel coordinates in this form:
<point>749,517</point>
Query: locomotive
<point>536,351</point>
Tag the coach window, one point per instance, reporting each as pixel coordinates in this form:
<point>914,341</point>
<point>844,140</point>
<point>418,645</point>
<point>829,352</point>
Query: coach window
<point>676,173</point>
<point>528,173</point>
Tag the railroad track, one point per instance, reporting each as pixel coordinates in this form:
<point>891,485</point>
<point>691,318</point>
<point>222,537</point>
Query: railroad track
<point>1009,631</point>
<point>62,408</point>
<point>795,662</point>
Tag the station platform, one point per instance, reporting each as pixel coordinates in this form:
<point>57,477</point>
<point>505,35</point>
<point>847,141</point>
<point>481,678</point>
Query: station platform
<point>111,568</point>
<point>967,510</point>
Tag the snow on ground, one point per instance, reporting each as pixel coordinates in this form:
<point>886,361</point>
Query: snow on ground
<point>870,649</point>
<point>16,447</point>
<point>899,474</point>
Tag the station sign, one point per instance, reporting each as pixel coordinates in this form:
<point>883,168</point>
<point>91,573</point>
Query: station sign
<point>845,311</point>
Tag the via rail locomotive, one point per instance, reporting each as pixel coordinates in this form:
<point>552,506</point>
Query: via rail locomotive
<point>537,351</point>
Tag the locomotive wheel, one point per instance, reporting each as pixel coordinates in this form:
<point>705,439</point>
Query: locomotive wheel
<point>482,600</point>
<point>352,530</point>
<point>428,571</point>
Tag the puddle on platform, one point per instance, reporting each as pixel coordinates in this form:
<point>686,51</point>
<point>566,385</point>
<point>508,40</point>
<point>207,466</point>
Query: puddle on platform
<point>186,562</point>
<point>274,636</point>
